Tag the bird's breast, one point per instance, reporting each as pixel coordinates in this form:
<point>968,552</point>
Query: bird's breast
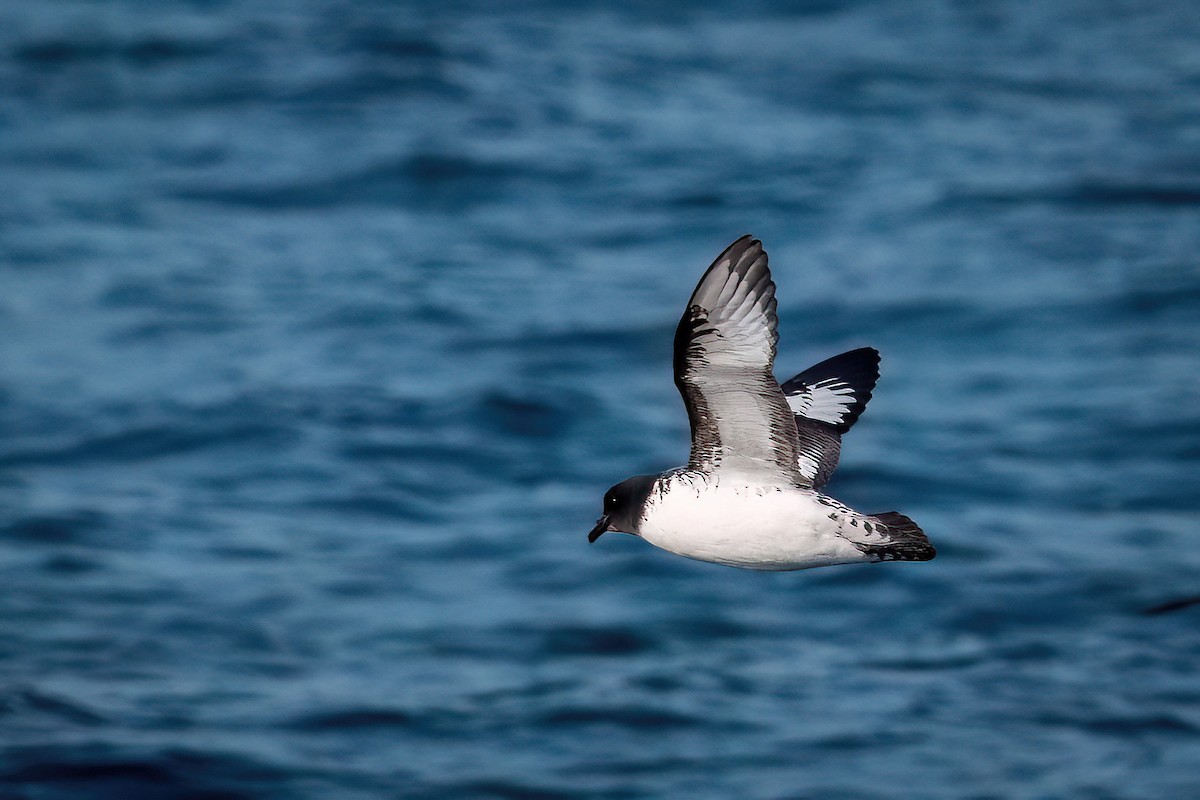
<point>742,524</point>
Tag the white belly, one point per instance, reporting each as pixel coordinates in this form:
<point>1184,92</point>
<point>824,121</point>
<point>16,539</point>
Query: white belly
<point>747,526</point>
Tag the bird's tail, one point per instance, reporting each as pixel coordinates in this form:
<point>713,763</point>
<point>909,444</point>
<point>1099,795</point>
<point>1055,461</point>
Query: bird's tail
<point>905,540</point>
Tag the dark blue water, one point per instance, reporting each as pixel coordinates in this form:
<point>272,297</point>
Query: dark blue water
<point>324,326</point>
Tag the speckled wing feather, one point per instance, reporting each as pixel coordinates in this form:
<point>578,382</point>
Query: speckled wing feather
<point>724,354</point>
<point>828,398</point>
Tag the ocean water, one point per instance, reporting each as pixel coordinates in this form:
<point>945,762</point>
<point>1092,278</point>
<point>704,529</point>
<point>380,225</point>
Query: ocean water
<point>325,325</point>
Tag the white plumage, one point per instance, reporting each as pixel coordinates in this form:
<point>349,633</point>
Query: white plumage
<point>741,525</point>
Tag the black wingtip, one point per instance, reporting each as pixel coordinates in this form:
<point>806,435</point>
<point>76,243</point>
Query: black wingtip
<point>858,369</point>
<point>738,250</point>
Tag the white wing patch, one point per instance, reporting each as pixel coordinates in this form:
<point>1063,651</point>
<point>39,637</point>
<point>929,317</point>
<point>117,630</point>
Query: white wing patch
<point>830,400</point>
<point>809,466</point>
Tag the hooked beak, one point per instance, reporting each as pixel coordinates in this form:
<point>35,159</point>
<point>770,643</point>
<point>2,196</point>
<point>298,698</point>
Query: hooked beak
<point>602,527</point>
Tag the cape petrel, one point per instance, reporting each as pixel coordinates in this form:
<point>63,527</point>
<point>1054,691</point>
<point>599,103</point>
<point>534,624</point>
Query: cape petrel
<point>750,495</point>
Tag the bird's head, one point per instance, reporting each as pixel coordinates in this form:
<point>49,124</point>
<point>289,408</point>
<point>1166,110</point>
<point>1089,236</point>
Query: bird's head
<point>623,506</point>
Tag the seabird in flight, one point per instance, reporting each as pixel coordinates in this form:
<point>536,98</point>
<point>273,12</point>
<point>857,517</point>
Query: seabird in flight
<point>750,495</point>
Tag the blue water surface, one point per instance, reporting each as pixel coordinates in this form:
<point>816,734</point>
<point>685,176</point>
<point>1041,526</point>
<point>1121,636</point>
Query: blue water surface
<point>324,326</point>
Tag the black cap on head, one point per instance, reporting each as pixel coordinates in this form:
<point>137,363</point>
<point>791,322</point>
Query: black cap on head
<point>623,505</point>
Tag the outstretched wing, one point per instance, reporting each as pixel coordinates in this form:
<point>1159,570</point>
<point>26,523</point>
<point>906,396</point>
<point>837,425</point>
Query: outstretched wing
<point>724,353</point>
<point>827,398</point>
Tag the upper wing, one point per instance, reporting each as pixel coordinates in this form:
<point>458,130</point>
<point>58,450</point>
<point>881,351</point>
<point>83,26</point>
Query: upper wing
<point>724,352</point>
<point>827,399</point>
